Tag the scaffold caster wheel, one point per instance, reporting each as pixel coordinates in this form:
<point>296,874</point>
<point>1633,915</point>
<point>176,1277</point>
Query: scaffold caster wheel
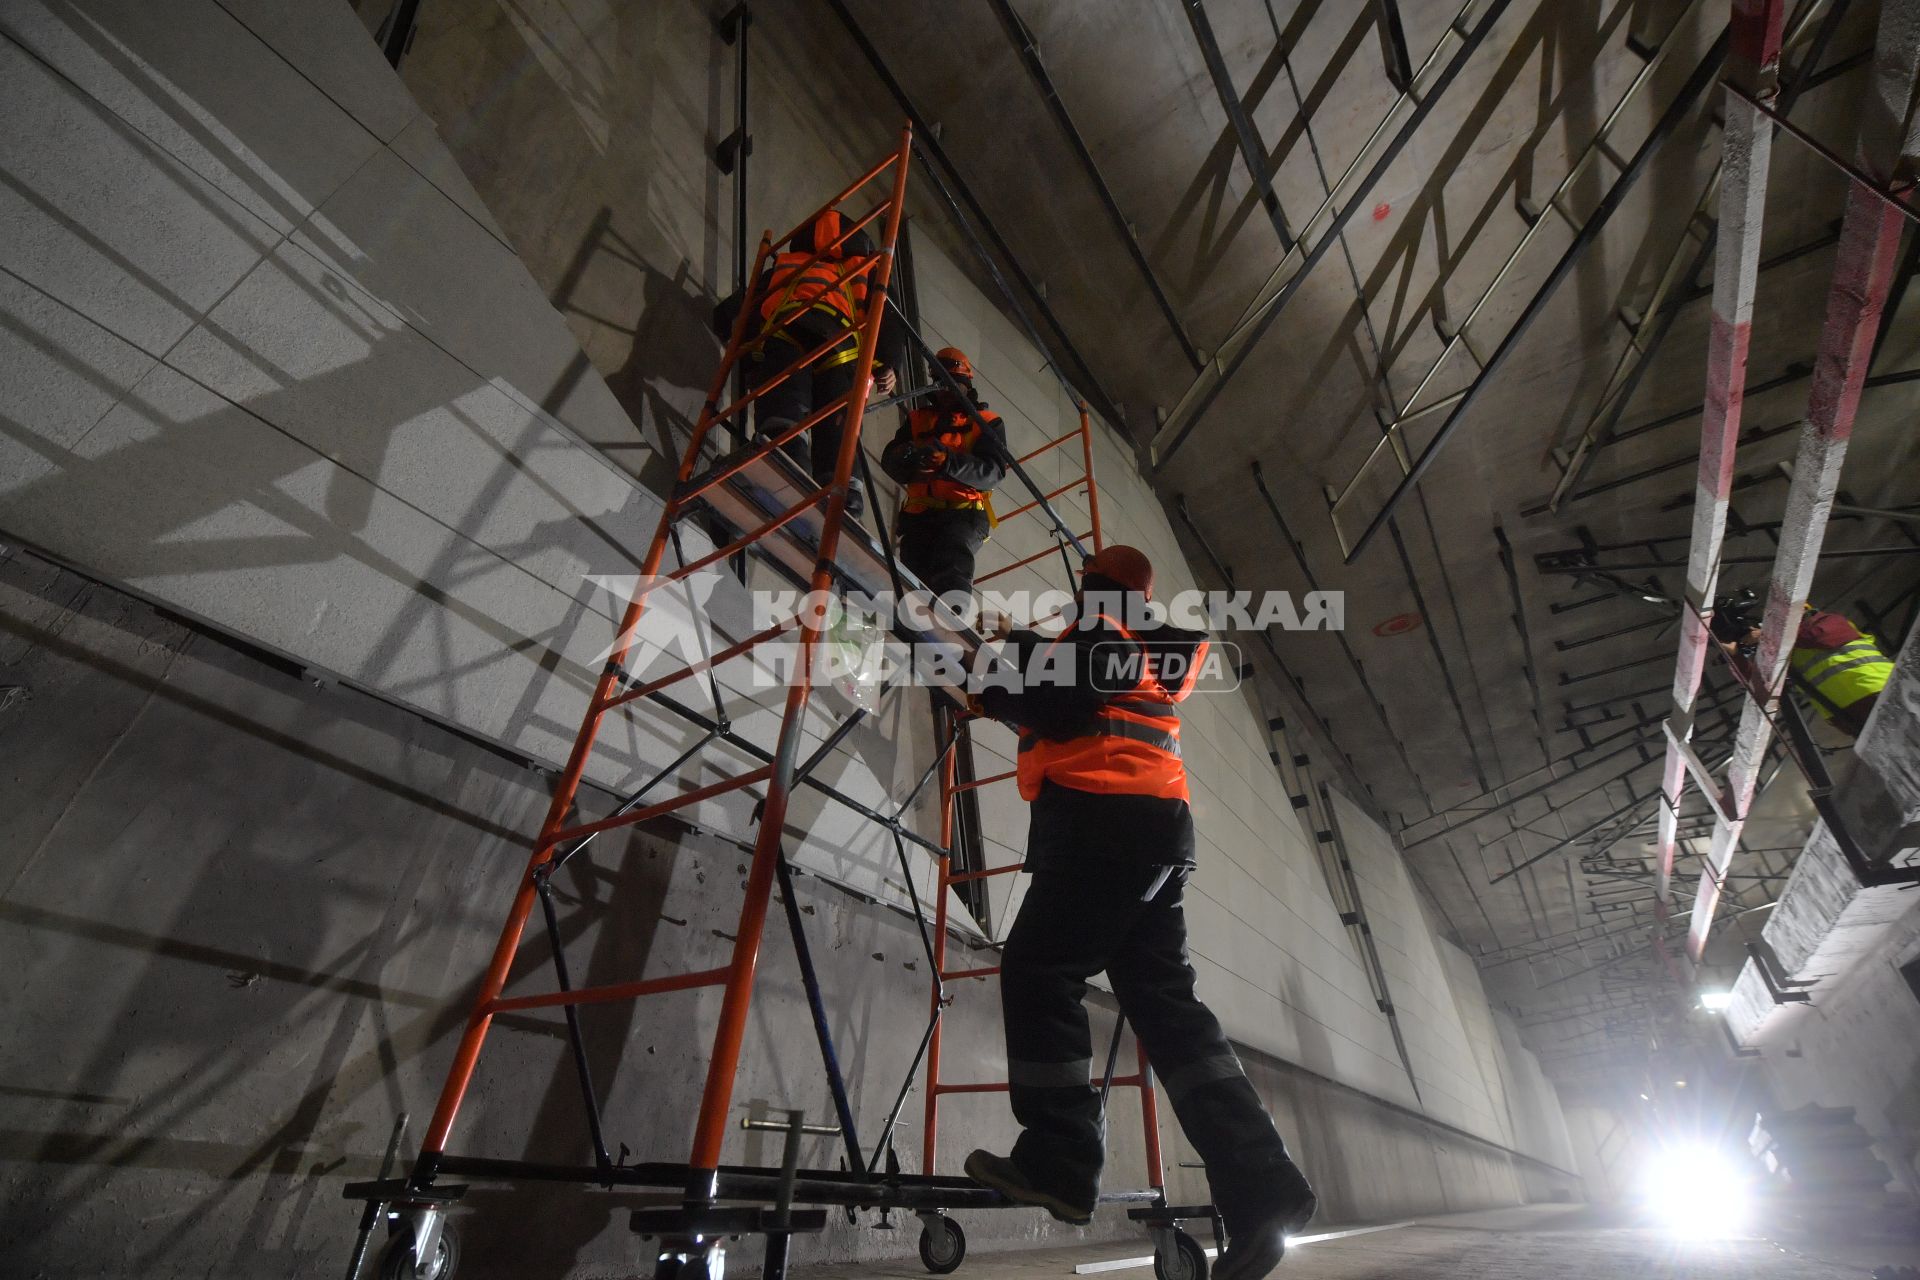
<point>943,1245</point>
<point>690,1262</point>
<point>398,1263</point>
<point>1188,1261</point>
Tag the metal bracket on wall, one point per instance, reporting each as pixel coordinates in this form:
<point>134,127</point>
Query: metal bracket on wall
<point>738,144</point>
<point>1783,989</point>
<point>397,31</point>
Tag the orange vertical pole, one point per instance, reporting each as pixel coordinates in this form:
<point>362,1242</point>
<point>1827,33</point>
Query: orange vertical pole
<point>943,868</point>
<point>1150,1117</point>
<point>710,1129</point>
<point>1093,489</point>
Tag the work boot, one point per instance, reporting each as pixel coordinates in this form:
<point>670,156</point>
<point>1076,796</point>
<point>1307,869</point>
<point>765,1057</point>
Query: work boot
<point>796,448</point>
<point>1004,1176</point>
<point>1254,1250</point>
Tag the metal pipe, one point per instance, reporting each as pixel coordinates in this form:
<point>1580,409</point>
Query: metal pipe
<point>1829,553</point>
<point>733,29</point>
<point>1870,186</point>
<point>1663,129</point>
<point>1023,42</point>
<point>1393,44</point>
<point>823,1034</point>
<point>576,1039</point>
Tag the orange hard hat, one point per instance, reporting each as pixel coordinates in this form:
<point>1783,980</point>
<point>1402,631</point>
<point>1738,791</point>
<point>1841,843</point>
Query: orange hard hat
<point>956,362</point>
<point>826,230</point>
<point>1125,565</point>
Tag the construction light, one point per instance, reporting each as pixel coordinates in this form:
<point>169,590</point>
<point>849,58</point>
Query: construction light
<point>1697,1190</point>
<point>1715,1001</point>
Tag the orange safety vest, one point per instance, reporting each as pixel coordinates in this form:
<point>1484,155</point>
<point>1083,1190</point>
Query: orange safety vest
<point>956,432</point>
<point>1134,751</point>
<point>795,287</point>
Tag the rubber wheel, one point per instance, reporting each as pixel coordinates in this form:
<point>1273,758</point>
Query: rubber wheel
<point>709,1265</point>
<point>396,1260</point>
<point>943,1245</point>
<point>1189,1260</point>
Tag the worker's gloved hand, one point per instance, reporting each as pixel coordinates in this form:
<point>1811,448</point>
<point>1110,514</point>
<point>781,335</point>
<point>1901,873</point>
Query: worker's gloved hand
<point>923,460</point>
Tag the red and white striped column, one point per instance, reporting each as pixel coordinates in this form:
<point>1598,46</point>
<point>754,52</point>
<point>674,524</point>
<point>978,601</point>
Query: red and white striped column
<point>1753,64</point>
<point>1862,278</point>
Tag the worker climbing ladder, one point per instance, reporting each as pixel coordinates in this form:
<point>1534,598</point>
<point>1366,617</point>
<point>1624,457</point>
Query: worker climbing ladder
<point>795,524</point>
<point>1177,1253</point>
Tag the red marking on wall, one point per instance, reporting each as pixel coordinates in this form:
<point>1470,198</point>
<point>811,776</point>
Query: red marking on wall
<point>1381,210</point>
<point>1398,625</point>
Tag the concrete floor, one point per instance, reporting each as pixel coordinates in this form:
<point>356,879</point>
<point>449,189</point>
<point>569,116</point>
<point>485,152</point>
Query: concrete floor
<point>1563,1242</point>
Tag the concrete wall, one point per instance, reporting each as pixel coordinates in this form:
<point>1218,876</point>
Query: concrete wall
<point>1607,1151</point>
<point>284,372</point>
<point>1467,1060</point>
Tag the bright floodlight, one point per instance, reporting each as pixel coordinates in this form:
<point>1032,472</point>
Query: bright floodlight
<point>1698,1191</point>
<point>1715,1000</point>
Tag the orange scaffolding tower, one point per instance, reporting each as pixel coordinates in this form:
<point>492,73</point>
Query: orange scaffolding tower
<point>796,524</point>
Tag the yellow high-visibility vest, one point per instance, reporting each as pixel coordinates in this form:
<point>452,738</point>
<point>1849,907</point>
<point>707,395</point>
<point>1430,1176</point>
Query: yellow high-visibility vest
<point>1837,678</point>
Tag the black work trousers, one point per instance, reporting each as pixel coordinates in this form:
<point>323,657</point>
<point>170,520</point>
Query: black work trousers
<point>1074,924</point>
<point>938,547</point>
<point>805,390</point>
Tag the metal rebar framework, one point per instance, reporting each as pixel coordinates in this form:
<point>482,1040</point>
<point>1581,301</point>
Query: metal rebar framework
<point>1392,443</point>
<point>1693,250</point>
<point>1322,228</point>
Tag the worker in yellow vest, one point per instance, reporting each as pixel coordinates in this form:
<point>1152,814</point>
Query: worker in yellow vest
<point>1840,668</point>
<point>949,461</point>
<point>1110,846</point>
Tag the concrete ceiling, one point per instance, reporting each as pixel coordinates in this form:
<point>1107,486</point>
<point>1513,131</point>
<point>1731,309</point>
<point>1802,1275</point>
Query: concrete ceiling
<point>1507,666</point>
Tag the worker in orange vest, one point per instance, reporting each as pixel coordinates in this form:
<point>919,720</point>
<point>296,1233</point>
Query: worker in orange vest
<point>949,461</point>
<point>808,295</point>
<point>1110,847</point>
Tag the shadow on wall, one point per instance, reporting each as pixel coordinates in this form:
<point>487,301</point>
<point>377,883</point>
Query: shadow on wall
<point>672,344</point>
<point>230,943</point>
<point>1201,216</point>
